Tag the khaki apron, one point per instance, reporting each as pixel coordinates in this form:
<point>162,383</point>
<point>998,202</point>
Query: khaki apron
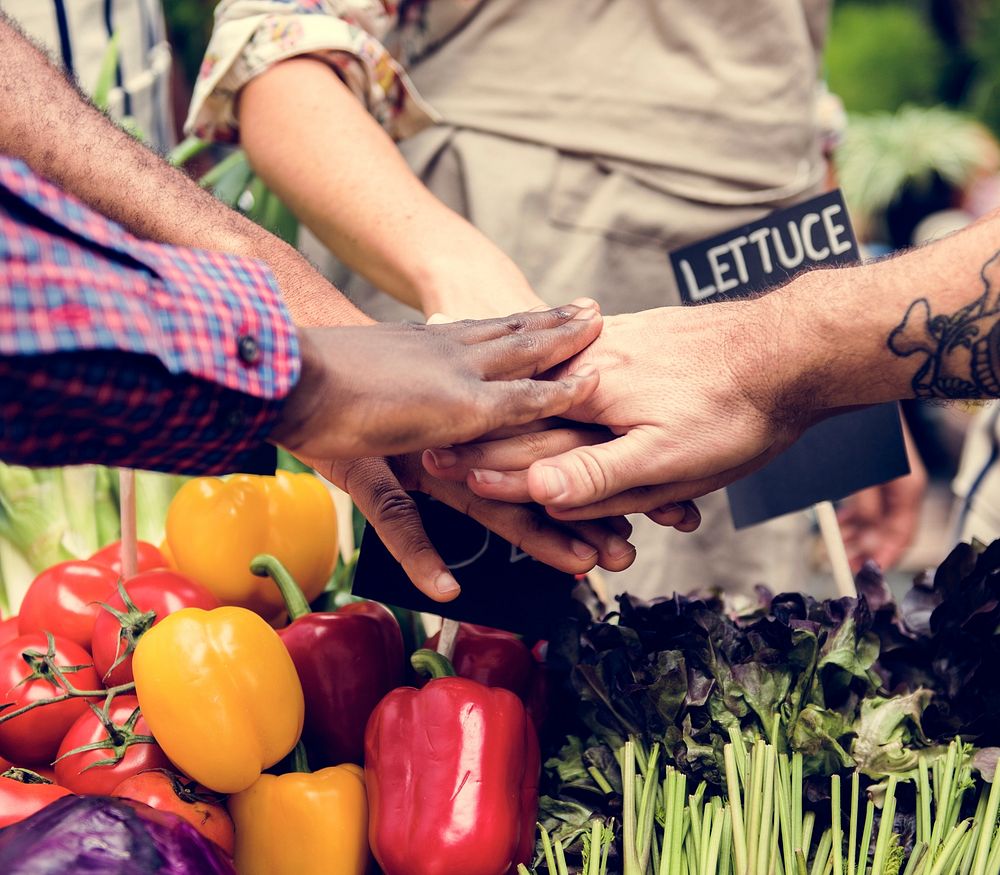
<point>589,138</point>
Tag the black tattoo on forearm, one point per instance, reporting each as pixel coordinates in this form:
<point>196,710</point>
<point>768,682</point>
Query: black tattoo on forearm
<point>961,351</point>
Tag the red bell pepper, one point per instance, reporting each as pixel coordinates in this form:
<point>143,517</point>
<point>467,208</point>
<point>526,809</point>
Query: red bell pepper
<point>452,777</point>
<point>493,657</point>
<point>347,660</point>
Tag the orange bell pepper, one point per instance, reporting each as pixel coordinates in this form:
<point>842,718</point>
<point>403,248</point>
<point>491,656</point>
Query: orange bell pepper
<point>220,694</point>
<point>215,527</point>
<point>303,824</point>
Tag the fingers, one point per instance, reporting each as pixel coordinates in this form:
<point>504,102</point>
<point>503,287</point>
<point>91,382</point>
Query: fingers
<point>587,475</point>
<point>520,401</point>
<point>510,454</point>
<point>475,331</point>
<point>574,548</point>
<point>387,506</point>
<point>526,350</point>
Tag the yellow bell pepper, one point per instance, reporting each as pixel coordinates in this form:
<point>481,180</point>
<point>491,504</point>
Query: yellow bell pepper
<point>220,694</point>
<point>215,527</point>
<point>303,824</point>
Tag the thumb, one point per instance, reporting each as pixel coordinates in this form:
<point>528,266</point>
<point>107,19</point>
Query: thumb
<point>589,474</point>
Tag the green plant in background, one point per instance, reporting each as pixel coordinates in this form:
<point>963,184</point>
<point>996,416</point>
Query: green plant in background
<point>884,153</point>
<point>882,56</point>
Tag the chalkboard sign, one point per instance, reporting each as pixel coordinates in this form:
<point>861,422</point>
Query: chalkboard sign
<point>835,458</point>
<point>502,586</point>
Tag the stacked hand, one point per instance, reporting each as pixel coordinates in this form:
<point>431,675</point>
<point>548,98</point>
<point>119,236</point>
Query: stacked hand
<point>371,396</point>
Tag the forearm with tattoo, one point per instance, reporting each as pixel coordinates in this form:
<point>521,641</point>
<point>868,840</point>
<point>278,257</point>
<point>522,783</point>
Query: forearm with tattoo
<point>960,351</point>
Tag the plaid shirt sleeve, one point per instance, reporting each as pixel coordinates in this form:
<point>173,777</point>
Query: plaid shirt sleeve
<point>121,351</point>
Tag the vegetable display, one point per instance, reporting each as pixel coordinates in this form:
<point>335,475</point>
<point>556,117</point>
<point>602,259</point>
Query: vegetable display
<point>168,722</point>
<point>451,771</point>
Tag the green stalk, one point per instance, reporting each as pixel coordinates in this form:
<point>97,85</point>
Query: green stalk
<point>993,863</point>
<point>523,870</point>
<point>711,866</point>
<point>598,777</point>
<point>630,861</point>
<point>706,837</point>
<point>800,862</point>
<point>647,808</point>
<point>866,837</point>
<point>885,827</point>
<point>561,866</point>
<point>975,833</point>
<point>852,839</point>
<point>923,802</point>
<point>430,663</point>
<point>594,862</point>
<point>740,752</point>
<point>735,803</point>
<point>668,819</point>
<point>838,834</point>
<point>680,819</point>
<point>773,861</point>
<point>550,860</point>
<point>808,824</point>
<point>797,784</point>
<point>988,825</point>
<point>916,858</point>
<point>726,847</point>
<point>822,854</point>
<point>755,806</point>
<point>265,565</point>
<point>785,821</point>
<point>767,811</point>
<point>951,846</point>
<point>186,150</point>
<point>943,793</point>
<point>694,805</point>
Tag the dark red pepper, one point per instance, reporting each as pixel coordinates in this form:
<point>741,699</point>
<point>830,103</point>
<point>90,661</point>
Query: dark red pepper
<point>347,660</point>
<point>452,777</point>
<point>492,657</point>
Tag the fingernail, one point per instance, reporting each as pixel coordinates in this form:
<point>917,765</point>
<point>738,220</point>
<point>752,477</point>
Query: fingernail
<point>554,482</point>
<point>618,547</point>
<point>586,315</point>
<point>582,550</point>
<point>586,302</point>
<point>585,371</point>
<point>487,476</point>
<point>445,584</point>
<point>692,514</point>
<point>443,458</point>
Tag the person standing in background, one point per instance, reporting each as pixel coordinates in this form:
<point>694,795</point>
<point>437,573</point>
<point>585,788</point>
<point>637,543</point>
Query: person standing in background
<point>583,139</point>
<point>77,35</point>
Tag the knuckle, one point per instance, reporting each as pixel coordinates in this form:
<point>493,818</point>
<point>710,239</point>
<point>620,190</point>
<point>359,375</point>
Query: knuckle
<point>590,472</point>
<point>392,505</point>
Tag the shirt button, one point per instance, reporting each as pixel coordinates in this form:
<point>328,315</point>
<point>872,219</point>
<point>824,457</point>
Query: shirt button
<point>248,350</point>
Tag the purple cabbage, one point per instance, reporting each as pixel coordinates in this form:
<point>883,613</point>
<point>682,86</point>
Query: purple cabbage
<point>101,835</point>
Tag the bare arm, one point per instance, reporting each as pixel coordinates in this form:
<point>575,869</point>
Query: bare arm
<point>46,122</point>
<point>314,144</point>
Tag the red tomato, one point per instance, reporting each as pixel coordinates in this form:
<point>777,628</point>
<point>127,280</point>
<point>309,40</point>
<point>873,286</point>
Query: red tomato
<point>167,791</point>
<point>26,676</point>
<point>147,557</point>
<point>118,730</point>
<point>64,600</point>
<point>8,630</point>
<point>153,595</point>
<point>21,796</point>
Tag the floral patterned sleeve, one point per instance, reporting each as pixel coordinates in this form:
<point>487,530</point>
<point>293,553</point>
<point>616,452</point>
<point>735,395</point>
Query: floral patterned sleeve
<point>252,35</point>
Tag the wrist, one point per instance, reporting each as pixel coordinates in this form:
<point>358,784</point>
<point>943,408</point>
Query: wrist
<point>300,404</point>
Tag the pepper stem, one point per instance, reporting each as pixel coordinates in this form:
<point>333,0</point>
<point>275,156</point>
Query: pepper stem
<point>431,664</point>
<point>300,759</point>
<point>266,565</point>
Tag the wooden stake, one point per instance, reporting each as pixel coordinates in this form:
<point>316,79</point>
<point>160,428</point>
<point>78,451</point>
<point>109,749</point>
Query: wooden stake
<point>835,548</point>
<point>129,542</point>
